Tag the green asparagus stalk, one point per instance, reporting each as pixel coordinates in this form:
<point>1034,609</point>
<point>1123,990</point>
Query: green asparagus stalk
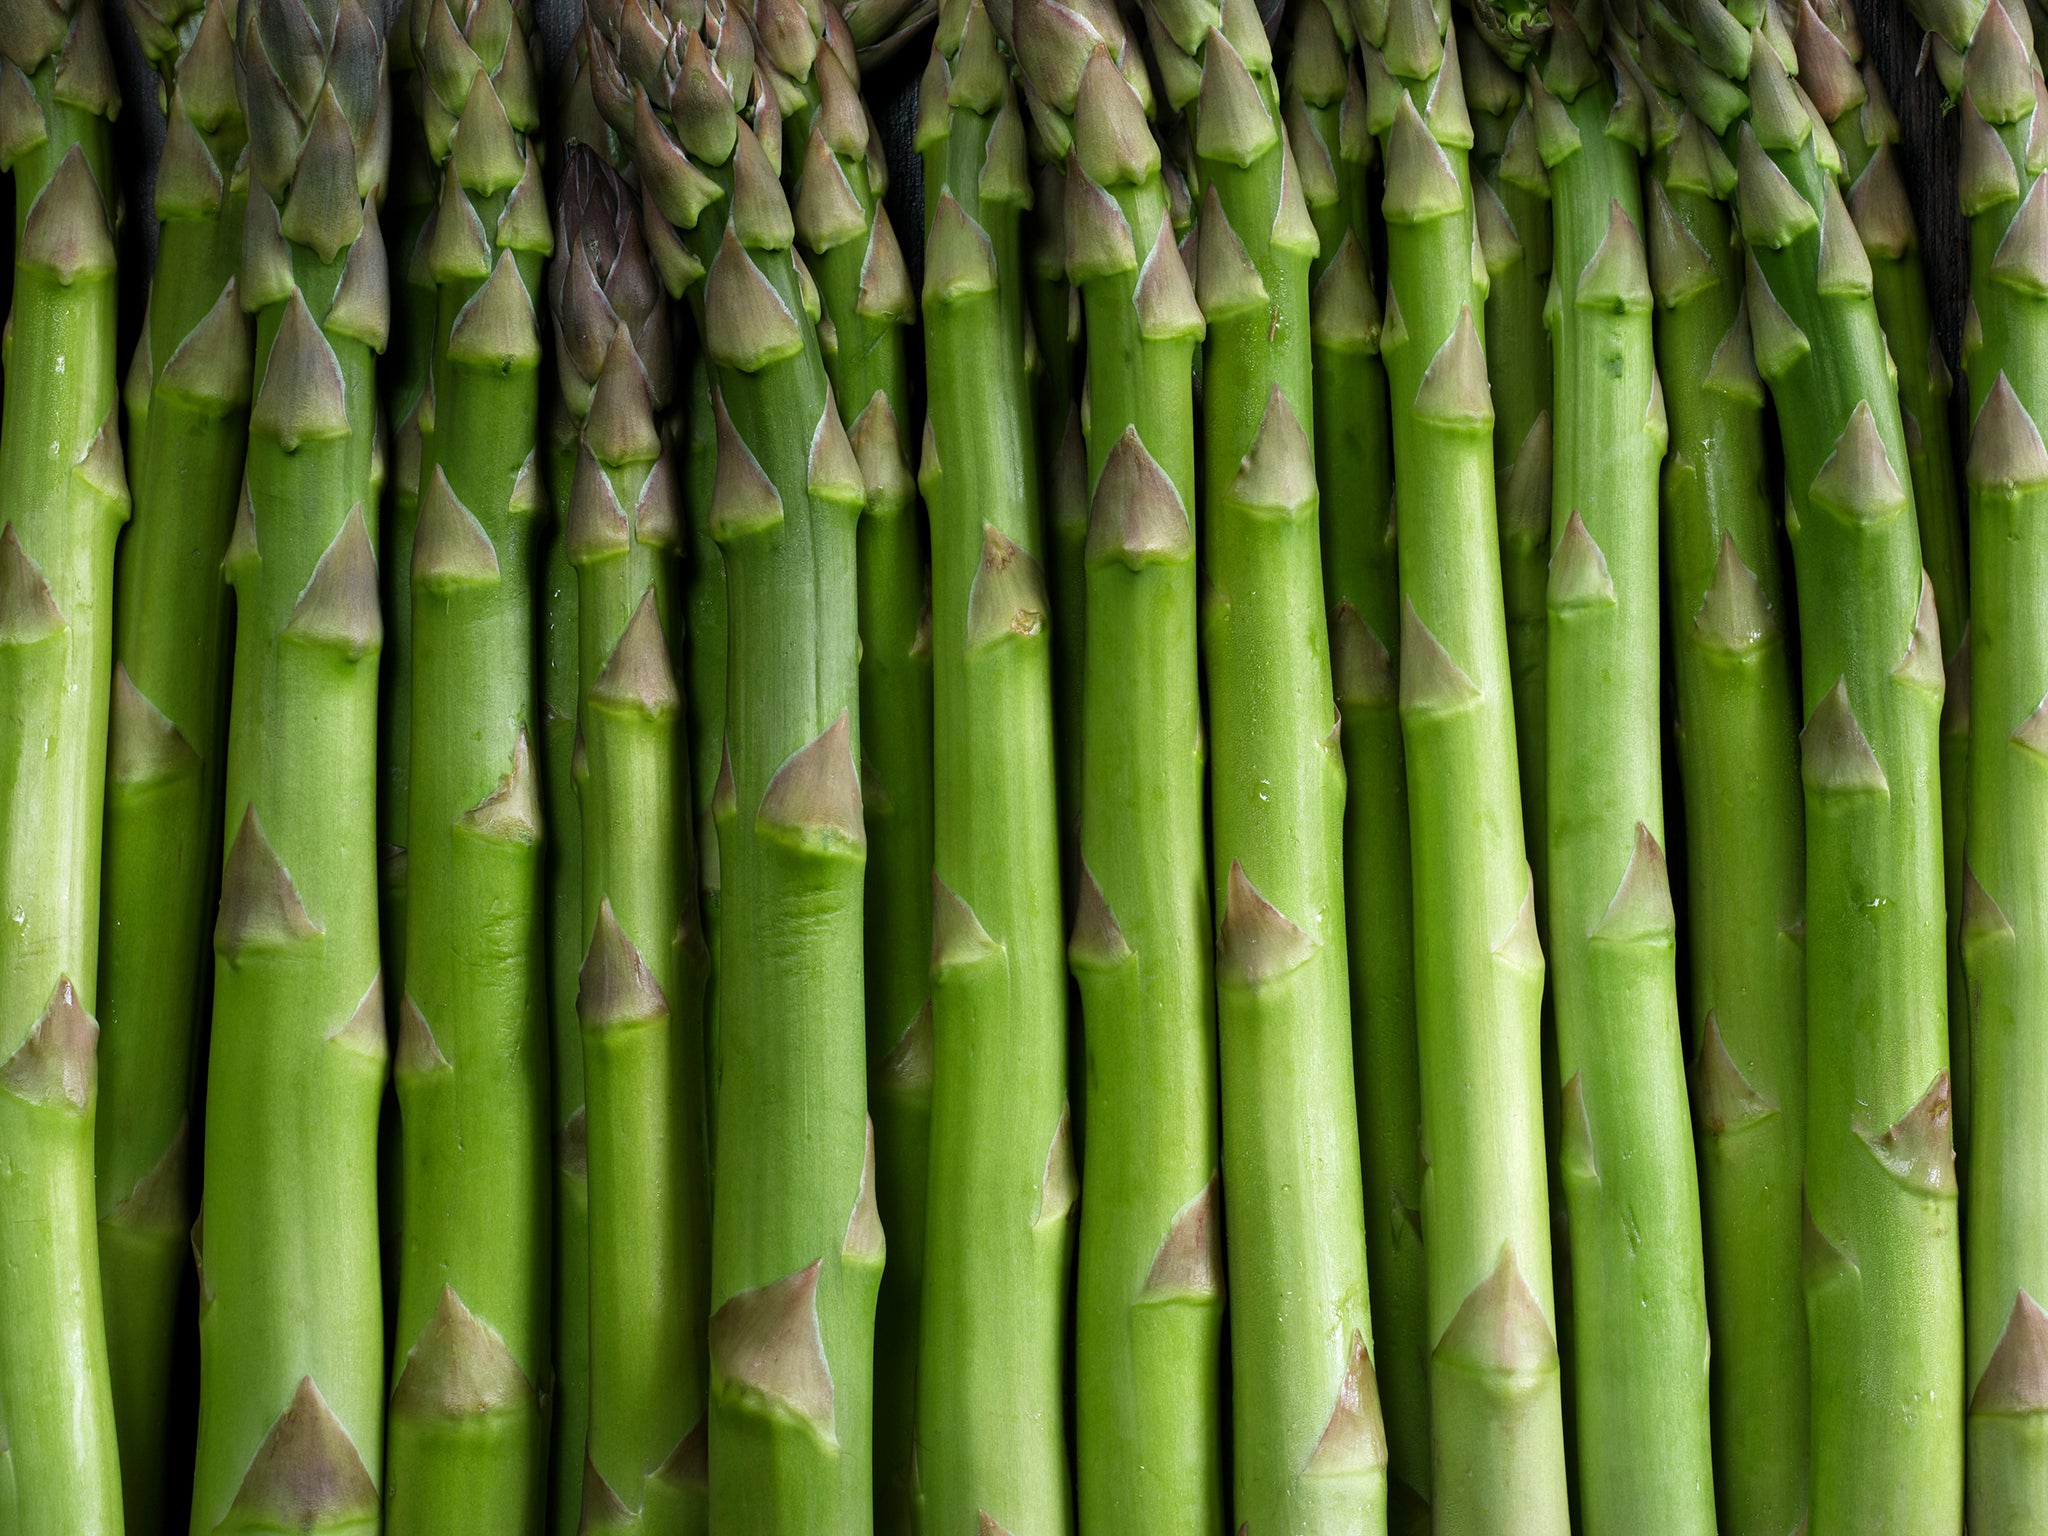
<point>1310,1452</point>
<point>1149,1303</point>
<point>1640,1326</point>
<point>408,387</point>
<point>797,1245</point>
<point>1511,204</point>
<point>188,416</point>
<point>561,815</point>
<point>63,499</point>
<point>1057,362</point>
<point>641,980</point>
<point>1336,153</point>
<point>2005,902</point>
<point>704,685</point>
<point>1852,98</point>
<point>1496,1431</point>
<point>292,1395</point>
<point>868,308</point>
<point>1883,1288</point>
<point>468,1431</point>
<point>576,121</point>
<point>1737,731</point>
<point>999,1211</point>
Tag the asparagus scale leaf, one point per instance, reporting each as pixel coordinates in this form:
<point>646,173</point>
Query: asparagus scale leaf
<point>291,1331</point>
<point>63,499</point>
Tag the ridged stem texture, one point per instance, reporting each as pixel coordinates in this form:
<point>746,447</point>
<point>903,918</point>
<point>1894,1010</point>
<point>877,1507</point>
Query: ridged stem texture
<point>468,1438</point>
<point>1638,1283</point>
<point>1002,1184</point>
<point>1337,154</point>
<point>291,1327</point>
<point>2005,900</point>
<point>1496,1427</point>
<point>1310,1450</point>
<point>187,399</point>
<point>1850,95</point>
<point>63,499</point>
<point>1883,1287</point>
<point>640,984</point>
<point>1738,725</point>
<point>865,332</point>
<point>1148,1310</point>
<point>797,1247</point>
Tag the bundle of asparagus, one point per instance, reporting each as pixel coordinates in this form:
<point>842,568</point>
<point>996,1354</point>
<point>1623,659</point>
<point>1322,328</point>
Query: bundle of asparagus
<point>640,856</point>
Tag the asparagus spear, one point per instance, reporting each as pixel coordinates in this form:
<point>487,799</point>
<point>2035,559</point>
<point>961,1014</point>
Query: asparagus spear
<point>797,1247</point>
<point>1884,1303</point>
<point>1640,1326</point>
<point>704,685</point>
<point>1311,1451</point>
<point>63,498</point>
<point>576,121</point>
<point>1737,733</point>
<point>991,1433</point>
<point>1496,1428</point>
<point>641,978</point>
<point>408,384</point>
<point>1511,204</point>
<point>1149,1302</point>
<point>188,415</point>
<point>1852,98</point>
<point>868,308</point>
<point>2005,903</point>
<point>291,1404</point>
<point>468,1431</point>
<point>1336,153</point>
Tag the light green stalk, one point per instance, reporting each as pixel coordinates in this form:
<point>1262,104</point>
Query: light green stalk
<point>1310,1449</point>
<point>1846,88</point>
<point>1511,205</point>
<point>468,1427</point>
<point>1745,843</point>
<point>291,1330</point>
<point>2005,902</point>
<point>409,402</point>
<point>1496,1431</point>
<point>1883,1288</point>
<point>188,422</point>
<point>1058,356</point>
<point>1335,150</point>
<point>1002,1184</point>
<point>1639,1290</point>
<point>868,308</point>
<point>797,1245</point>
<point>1149,1303</point>
<point>640,986</point>
<point>63,499</point>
